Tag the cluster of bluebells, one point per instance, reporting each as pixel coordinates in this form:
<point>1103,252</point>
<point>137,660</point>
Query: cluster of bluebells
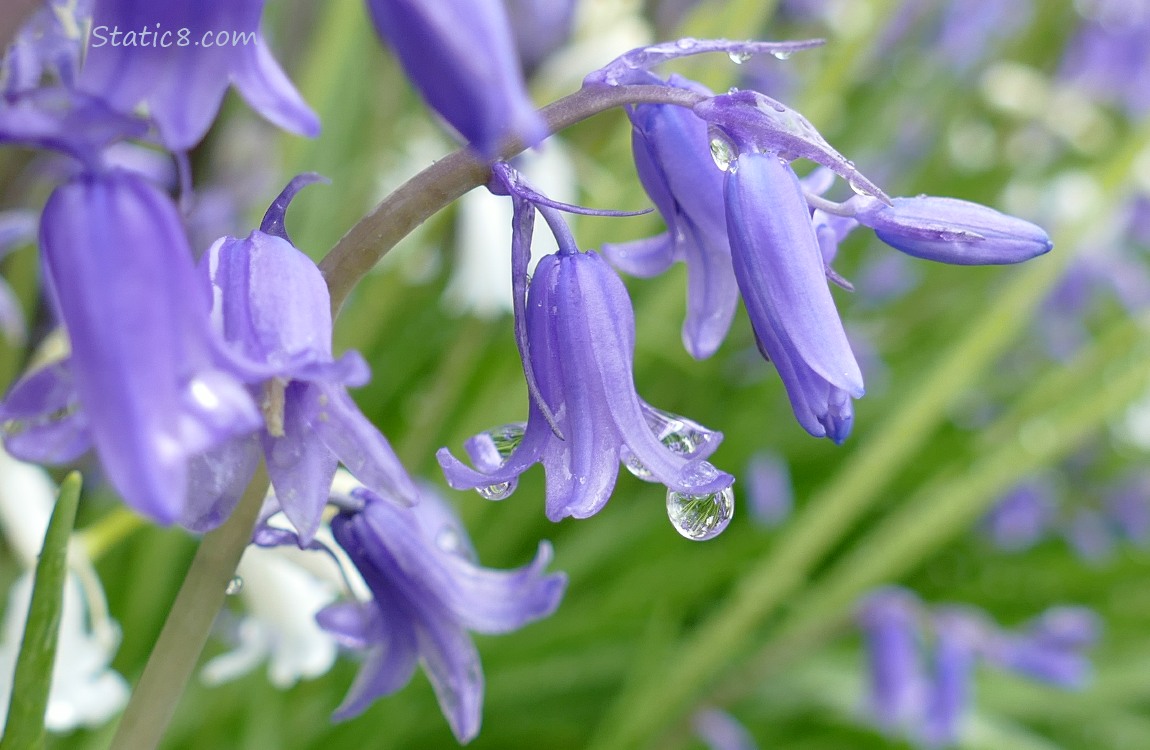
<point>189,367</point>
<point>1092,523</point>
<point>922,659</point>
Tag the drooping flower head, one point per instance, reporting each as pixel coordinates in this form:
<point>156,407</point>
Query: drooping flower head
<point>272,306</point>
<point>577,339</point>
<point>426,593</point>
<point>461,56</point>
<point>143,384</point>
<point>178,60</point>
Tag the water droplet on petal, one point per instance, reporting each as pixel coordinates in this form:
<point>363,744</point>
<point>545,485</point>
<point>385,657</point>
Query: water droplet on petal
<point>700,517</point>
<point>724,153</point>
<point>859,189</point>
<point>679,434</point>
<point>637,467</point>
<point>500,491</point>
<point>739,57</point>
<point>685,43</point>
<point>507,438</point>
<point>235,586</point>
<point>782,54</point>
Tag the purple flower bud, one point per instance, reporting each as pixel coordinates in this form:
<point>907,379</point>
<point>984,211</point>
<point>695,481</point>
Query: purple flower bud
<point>949,230</point>
<point>272,306</point>
<point>143,360</point>
<point>426,595</point>
<point>171,57</point>
<point>461,56</point>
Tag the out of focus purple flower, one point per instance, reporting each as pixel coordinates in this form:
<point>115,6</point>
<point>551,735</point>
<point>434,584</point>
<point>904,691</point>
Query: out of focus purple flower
<point>50,41</point>
<point>769,492</point>
<point>922,659</point>
<point>1128,506</point>
<point>1023,516</point>
<point>889,619</point>
<point>427,594</point>
<point>272,306</point>
<point>1108,57</point>
<point>173,58</point>
<point>461,56</point>
<point>720,731</point>
<point>143,384</point>
<point>539,27</point>
<point>1050,648</point>
<point>1090,535</point>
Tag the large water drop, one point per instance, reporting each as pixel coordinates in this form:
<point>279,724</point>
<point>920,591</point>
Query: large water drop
<point>700,517</point>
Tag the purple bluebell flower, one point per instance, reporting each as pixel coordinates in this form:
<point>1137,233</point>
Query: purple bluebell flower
<point>672,157</point>
<point>272,306</point>
<point>1025,515</point>
<point>769,490</point>
<point>958,637</point>
<point>143,368</point>
<point>171,57</point>
<point>580,341</point>
<point>1109,55</point>
<point>1051,647</point>
<point>1128,506</point>
<point>427,593</point>
<point>720,731</point>
<point>782,278</point>
<point>953,231</point>
<point>889,620</point>
<point>50,41</point>
<point>1089,533</point>
<point>461,56</point>
<point>926,703</point>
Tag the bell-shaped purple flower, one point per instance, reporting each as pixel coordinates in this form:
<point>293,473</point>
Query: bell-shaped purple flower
<point>674,163</point>
<point>958,638</point>
<point>781,274</point>
<point>142,383</point>
<point>889,619</point>
<point>273,308</point>
<point>461,56</point>
<point>953,231</point>
<point>580,342</point>
<point>1051,648</point>
<point>427,592</point>
<point>178,59</point>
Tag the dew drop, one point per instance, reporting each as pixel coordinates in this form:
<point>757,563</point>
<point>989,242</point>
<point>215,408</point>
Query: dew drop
<point>700,517</point>
<point>859,189</point>
<point>235,586</point>
<point>685,43</point>
<point>507,438</point>
<point>724,154</point>
<point>637,467</point>
<point>500,491</point>
<point>739,57</point>
<point>782,54</point>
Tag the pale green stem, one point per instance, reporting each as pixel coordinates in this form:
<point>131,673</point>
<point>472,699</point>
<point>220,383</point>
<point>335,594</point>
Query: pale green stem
<point>185,632</point>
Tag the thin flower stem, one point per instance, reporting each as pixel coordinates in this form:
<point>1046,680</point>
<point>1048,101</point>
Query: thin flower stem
<point>449,178</point>
<point>202,594</point>
<point>185,632</point>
